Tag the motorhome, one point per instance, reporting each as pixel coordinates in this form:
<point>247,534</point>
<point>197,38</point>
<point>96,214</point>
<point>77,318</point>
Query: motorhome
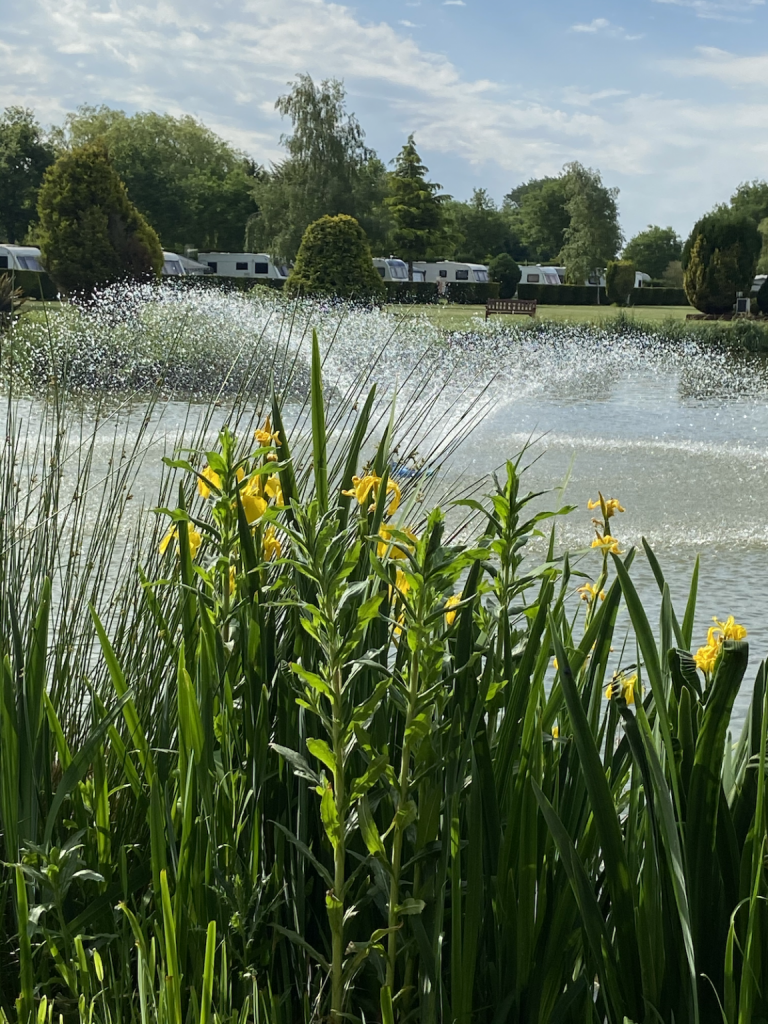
<point>21,257</point>
<point>450,271</point>
<point>255,265</point>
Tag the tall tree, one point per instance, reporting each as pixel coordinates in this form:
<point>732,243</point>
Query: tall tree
<point>25,153</point>
<point>415,205</point>
<point>90,233</point>
<point>328,170</point>
<point>481,230</point>
<point>192,186</point>
<point>719,259</point>
<point>751,199</point>
<point>654,249</point>
<point>593,236</point>
<point>538,210</point>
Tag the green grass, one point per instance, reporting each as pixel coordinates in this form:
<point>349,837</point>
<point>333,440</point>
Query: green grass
<point>456,317</point>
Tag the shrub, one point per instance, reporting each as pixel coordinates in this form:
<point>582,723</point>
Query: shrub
<point>10,299</point>
<point>619,281</point>
<point>762,297</point>
<point>719,260</point>
<point>659,297</point>
<point>91,235</point>
<point>335,259</point>
<point>507,273</point>
<point>471,294</point>
<point>562,294</point>
<point>418,292</point>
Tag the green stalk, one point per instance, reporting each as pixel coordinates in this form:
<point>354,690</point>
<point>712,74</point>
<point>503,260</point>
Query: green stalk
<point>336,912</point>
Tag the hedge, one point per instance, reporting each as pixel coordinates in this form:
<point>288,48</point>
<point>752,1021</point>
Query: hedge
<point>471,294</point>
<point>34,284</point>
<point>659,297</point>
<point>562,294</point>
<point>420,292</point>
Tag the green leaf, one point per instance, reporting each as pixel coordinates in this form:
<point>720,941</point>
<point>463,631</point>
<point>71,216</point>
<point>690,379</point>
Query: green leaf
<point>319,440</point>
<point>321,750</point>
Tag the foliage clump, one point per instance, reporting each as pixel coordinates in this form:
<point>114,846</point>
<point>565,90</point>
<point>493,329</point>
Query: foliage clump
<point>335,259</point>
<point>415,206</point>
<point>91,234</point>
<point>593,236</point>
<point>761,299</point>
<point>719,260</point>
<point>619,281</point>
<point>505,270</point>
<point>25,153</point>
<point>653,250</point>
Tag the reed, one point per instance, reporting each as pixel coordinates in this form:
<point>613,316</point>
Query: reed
<point>310,758</point>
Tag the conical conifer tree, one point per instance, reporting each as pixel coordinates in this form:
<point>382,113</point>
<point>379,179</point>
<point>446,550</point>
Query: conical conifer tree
<point>414,205</point>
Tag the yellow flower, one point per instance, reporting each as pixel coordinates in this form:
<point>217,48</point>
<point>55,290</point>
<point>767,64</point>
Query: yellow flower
<point>730,629</point>
<point>555,665</point>
<point>589,592</point>
<point>450,616</point>
<point>232,579</point>
<point>608,506</point>
<point>273,490</point>
<point>401,582</point>
<point>271,545</point>
<point>706,657</point>
<point>265,436</point>
<point>555,732</point>
<point>622,686</point>
<point>253,506</point>
<point>211,477</point>
<point>394,547</point>
<point>365,486</point>
<point>195,539</point>
<point>606,543</point>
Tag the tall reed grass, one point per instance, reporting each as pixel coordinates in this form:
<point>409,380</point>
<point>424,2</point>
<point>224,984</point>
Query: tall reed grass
<point>312,761</point>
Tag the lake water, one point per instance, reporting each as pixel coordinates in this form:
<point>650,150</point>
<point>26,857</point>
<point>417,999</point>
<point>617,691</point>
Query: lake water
<point>678,433</point>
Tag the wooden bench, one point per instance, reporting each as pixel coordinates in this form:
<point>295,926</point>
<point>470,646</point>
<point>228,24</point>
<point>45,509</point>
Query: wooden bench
<point>526,306</point>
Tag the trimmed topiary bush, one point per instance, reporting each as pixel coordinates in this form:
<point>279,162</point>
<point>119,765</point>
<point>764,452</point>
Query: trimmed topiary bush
<point>91,235</point>
<point>334,258</point>
<point>719,260</point>
<point>620,281</point>
<point>505,271</point>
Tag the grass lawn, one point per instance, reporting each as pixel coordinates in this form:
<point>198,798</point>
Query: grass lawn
<point>455,317</point>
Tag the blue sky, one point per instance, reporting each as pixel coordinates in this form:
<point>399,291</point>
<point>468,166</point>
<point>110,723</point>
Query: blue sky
<point>667,98</point>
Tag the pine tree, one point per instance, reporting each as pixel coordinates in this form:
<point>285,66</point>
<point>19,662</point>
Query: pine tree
<point>415,207</point>
<point>335,259</point>
<point>90,233</point>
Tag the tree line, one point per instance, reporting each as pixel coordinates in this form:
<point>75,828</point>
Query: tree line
<point>196,190</point>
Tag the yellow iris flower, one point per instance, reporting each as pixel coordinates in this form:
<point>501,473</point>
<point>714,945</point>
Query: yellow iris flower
<point>271,545</point>
<point>212,477</point>
<point>555,732</point>
<point>589,592</point>
<point>608,506</point>
<point>396,549</point>
<point>254,506</point>
<point>195,540</point>
<point>450,604</point>
<point>706,656</point>
<point>623,686</point>
<point>273,490</point>
<point>606,543</point>
<point>265,436</point>
<point>367,486</point>
<point>730,629</point>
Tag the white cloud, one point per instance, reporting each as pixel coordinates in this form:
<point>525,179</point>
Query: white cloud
<point>605,27</point>
<point>718,10</point>
<point>454,3</point>
<point>409,24</point>
<point>575,97</point>
<point>723,66</point>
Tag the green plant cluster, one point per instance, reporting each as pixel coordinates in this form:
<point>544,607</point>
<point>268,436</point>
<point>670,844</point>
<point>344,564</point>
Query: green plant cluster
<point>91,235</point>
<point>320,764</point>
<point>563,295</point>
<point>473,293</point>
<point>506,273</point>
<point>719,260</point>
<point>334,259</point>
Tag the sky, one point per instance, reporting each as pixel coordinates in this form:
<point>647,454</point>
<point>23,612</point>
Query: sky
<point>667,98</point>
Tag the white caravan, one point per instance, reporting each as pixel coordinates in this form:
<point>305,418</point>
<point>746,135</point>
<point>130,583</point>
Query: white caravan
<point>172,265</point>
<point>449,271</point>
<point>542,275</point>
<point>391,269</point>
<point>21,257</point>
<point>254,265</point>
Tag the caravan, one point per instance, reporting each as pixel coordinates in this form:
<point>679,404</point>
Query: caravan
<point>449,271</point>
<point>391,269</point>
<point>21,257</point>
<point>254,265</point>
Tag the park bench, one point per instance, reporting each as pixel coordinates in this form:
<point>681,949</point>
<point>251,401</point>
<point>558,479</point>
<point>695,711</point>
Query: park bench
<point>526,306</point>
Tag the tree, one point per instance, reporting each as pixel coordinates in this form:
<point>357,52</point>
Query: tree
<point>751,199</point>
<point>25,153</point>
<point>761,298</point>
<point>328,170</point>
<point>192,186</point>
<point>619,281</point>
<point>334,258</point>
<point>719,260</point>
<point>480,229</point>
<point>503,269</point>
<point>653,250</point>
<point>90,233</point>
<point>415,207</point>
<point>539,212</point>
<point>593,236</point>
